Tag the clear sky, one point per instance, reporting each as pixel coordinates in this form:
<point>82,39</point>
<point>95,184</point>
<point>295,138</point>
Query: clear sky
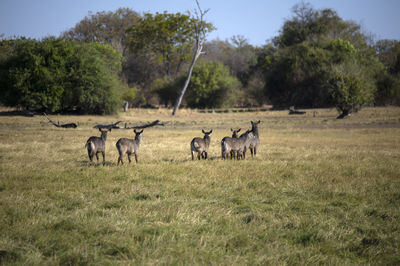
<point>256,20</point>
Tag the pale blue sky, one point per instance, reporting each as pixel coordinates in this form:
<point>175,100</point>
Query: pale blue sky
<point>256,20</point>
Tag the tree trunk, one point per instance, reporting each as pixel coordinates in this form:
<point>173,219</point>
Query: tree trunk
<point>200,38</point>
<point>182,93</point>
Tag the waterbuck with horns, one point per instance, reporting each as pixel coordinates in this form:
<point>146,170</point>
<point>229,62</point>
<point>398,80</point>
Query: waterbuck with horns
<point>96,145</point>
<point>200,145</point>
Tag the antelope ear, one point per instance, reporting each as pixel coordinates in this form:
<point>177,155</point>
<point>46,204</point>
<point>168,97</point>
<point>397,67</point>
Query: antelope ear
<point>100,129</point>
<point>203,131</point>
<point>134,131</point>
<point>238,130</point>
<point>259,121</point>
<point>210,132</point>
<point>141,131</point>
<point>231,129</point>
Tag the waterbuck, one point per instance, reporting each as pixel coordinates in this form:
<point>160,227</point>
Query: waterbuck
<point>200,145</point>
<point>234,135</point>
<point>129,146</point>
<point>236,145</point>
<point>254,139</point>
<point>95,145</point>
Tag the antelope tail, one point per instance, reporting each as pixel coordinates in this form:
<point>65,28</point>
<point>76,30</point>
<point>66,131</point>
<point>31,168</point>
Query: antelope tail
<point>89,145</point>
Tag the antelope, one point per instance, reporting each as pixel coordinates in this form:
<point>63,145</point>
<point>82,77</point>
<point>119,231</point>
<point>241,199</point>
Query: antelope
<point>200,145</point>
<point>129,146</point>
<point>234,135</point>
<point>95,145</point>
<point>254,139</point>
<point>236,145</point>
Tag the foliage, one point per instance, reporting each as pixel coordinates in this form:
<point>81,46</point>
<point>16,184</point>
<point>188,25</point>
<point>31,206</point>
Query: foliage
<point>106,28</point>
<point>347,91</point>
<point>237,54</point>
<point>299,67</point>
<point>59,75</point>
<point>211,86</point>
<point>167,37</point>
<point>168,90</point>
<point>311,64</point>
<point>93,84</point>
<point>388,91</point>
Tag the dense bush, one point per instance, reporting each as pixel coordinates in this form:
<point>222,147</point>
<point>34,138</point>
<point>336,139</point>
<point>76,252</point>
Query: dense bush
<point>58,75</point>
<point>211,86</point>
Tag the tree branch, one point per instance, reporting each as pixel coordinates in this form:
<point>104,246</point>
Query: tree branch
<point>115,125</point>
<point>200,33</point>
<point>152,124</point>
<point>68,125</point>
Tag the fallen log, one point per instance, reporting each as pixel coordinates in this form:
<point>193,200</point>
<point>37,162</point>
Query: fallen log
<point>293,111</point>
<point>67,125</point>
<point>152,124</point>
<point>115,125</point>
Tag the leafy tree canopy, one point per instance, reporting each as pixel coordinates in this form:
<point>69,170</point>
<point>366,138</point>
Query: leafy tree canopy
<point>168,37</point>
<point>317,55</point>
<point>59,75</point>
<point>211,86</point>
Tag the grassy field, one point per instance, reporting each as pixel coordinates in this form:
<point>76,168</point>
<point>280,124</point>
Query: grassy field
<point>320,191</point>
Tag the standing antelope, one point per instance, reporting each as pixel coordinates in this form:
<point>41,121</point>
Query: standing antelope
<point>254,139</point>
<point>129,146</point>
<point>234,135</point>
<point>95,145</point>
<point>200,145</point>
<point>236,145</point>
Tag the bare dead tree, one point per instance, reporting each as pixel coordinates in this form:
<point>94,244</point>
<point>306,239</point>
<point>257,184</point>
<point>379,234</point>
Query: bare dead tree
<point>200,37</point>
<point>68,125</point>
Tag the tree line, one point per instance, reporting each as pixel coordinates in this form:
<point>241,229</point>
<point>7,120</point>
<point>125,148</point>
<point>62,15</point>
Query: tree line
<point>317,60</point>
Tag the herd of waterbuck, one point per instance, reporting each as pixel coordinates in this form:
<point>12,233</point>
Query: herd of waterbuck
<point>235,146</point>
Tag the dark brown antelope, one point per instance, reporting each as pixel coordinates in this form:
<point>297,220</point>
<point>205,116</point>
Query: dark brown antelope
<point>254,139</point>
<point>96,145</point>
<point>129,146</point>
<point>236,145</point>
<point>200,145</point>
<point>234,135</point>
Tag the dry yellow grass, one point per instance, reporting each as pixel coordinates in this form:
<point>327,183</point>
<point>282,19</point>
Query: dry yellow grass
<point>320,191</point>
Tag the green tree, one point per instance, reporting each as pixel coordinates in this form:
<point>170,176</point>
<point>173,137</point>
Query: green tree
<point>92,83</point>
<point>348,89</point>
<point>167,37</point>
<point>59,75</point>
<point>105,28</point>
<point>388,88</point>
<point>211,86</point>
<point>311,64</point>
<point>32,75</point>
